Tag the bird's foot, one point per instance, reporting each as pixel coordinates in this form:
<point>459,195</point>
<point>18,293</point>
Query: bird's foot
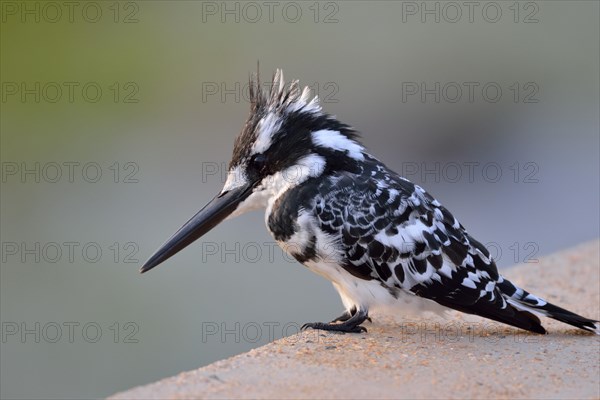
<point>335,327</point>
<point>347,315</point>
<point>350,323</point>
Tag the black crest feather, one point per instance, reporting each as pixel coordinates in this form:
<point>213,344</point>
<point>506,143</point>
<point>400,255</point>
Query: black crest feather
<point>279,97</point>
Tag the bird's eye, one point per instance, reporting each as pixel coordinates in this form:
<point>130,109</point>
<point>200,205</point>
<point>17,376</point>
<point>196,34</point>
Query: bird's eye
<point>259,162</point>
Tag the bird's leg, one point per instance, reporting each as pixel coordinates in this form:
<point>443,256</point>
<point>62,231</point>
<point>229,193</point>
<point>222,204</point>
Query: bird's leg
<point>350,325</point>
<point>345,316</point>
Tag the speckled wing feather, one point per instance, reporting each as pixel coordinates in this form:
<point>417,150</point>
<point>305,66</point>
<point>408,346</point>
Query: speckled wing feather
<point>395,232</point>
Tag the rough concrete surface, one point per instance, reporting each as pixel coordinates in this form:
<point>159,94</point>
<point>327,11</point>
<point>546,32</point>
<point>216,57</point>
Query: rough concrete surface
<point>456,356</point>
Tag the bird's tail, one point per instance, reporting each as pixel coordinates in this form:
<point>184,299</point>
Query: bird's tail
<point>525,301</point>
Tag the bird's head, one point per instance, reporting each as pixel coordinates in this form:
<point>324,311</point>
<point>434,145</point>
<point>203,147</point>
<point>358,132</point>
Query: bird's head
<point>287,139</point>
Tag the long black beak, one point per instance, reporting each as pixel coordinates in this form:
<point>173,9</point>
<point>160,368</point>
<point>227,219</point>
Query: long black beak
<point>207,218</point>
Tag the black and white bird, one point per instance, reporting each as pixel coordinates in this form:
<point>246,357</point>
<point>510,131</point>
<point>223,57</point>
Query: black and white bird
<point>379,238</point>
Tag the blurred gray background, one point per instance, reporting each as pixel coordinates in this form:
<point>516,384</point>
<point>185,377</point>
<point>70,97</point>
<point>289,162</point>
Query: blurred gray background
<point>117,119</point>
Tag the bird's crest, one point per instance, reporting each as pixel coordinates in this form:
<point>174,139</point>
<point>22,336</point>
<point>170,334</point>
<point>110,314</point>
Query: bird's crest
<point>281,98</point>
<point>268,110</point>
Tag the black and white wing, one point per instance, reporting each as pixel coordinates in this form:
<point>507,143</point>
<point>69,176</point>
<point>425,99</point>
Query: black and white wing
<point>395,232</point>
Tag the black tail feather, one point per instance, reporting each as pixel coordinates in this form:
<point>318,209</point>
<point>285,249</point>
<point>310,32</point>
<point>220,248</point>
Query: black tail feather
<point>525,301</point>
<point>566,316</point>
<point>509,315</point>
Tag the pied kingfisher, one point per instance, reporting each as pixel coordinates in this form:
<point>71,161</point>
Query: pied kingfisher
<point>343,214</point>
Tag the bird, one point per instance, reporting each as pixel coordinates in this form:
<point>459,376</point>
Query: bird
<point>342,213</point>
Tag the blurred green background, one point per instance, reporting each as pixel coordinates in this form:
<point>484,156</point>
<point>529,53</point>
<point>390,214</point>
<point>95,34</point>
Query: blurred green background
<point>172,76</point>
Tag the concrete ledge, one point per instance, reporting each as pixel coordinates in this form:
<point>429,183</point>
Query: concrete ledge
<point>454,357</point>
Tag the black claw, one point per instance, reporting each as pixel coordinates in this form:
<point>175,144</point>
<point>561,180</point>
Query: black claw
<point>351,324</point>
<point>334,327</point>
